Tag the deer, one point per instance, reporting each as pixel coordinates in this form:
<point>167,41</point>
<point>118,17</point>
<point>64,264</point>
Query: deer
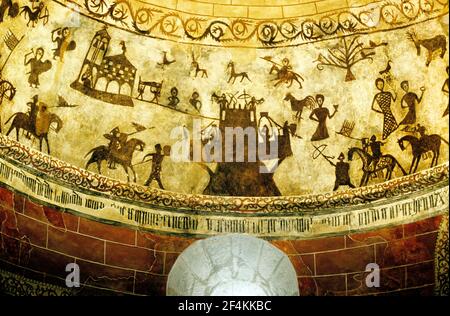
<point>234,75</point>
<point>195,65</point>
<point>432,45</point>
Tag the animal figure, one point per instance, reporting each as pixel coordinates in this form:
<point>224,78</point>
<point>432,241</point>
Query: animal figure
<point>22,121</point>
<point>195,65</point>
<point>13,9</point>
<point>421,146</point>
<point>155,89</point>
<point>434,44</point>
<point>387,69</point>
<point>234,74</point>
<point>298,105</point>
<point>284,73</point>
<point>165,62</point>
<point>387,162</point>
<point>122,156</point>
<point>8,90</point>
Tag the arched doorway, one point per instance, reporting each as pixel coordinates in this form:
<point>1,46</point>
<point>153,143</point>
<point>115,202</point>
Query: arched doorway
<point>232,265</point>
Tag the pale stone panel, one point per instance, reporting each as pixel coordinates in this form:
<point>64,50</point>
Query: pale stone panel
<point>248,2</point>
<point>214,1</point>
<point>299,10</point>
<point>265,12</point>
<point>329,5</point>
<point>171,4</point>
<point>195,7</point>
<point>233,11</point>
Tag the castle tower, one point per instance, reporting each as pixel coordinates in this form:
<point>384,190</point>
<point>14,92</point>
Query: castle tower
<point>95,55</point>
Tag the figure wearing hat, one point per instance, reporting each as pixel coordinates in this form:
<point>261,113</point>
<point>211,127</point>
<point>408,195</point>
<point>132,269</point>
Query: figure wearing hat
<point>342,172</point>
<point>157,159</point>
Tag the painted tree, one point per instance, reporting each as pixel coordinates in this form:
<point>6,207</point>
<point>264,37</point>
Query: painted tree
<point>346,54</point>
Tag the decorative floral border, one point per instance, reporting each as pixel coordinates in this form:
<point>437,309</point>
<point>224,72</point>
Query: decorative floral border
<point>61,171</point>
<point>159,22</point>
<point>441,261</point>
<point>18,285</point>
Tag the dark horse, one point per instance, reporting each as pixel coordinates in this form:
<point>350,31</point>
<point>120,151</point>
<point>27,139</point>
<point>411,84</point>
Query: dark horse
<point>22,121</point>
<point>122,156</point>
<point>387,162</point>
<point>422,145</point>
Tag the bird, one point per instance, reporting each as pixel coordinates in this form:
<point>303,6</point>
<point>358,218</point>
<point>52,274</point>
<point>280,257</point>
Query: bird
<point>388,68</point>
<point>165,61</point>
<point>366,55</point>
<point>373,44</point>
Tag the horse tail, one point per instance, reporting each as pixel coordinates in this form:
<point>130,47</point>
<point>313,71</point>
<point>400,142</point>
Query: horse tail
<point>12,117</point>
<point>301,78</point>
<point>401,168</point>
<point>445,141</point>
<point>93,149</point>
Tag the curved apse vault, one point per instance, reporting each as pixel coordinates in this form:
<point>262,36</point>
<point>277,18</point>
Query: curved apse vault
<point>342,162</point>
<point>232,265</point>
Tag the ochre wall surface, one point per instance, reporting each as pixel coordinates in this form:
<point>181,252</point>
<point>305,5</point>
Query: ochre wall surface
<point>39,241</point>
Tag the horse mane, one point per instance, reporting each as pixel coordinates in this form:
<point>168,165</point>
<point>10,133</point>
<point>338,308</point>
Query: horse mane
<point>360,151</point>
<point>409,138</point>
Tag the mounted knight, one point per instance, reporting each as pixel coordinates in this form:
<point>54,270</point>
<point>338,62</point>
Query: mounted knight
<point>120,151</point>
<point>36,122</point>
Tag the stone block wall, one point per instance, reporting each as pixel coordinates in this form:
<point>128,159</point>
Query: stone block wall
<point>37,242</point>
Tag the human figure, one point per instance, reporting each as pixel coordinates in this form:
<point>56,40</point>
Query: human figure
<point>118,141</point>
<point>285,68</point>
<point>195,102</point>
<point>157,159</point>
<point>32,113</point>
<point>409,100</point>
<point>251,105</point>
<point>445,90</point>
<point>384,100</point>
<point>375,148</point>
<point>320,115</point>
<point>173,99</point>
<point>37,66</point>
<point>61,38</point>
<point>42,119</point>
<point>222,101</point>
<point>342,172</point>
<point>86,78</point>
<point>141,89</point>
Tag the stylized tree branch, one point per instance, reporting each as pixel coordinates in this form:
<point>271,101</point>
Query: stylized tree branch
<point>346,54</point>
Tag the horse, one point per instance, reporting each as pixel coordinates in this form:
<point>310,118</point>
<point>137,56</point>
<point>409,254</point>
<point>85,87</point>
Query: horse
<point>22,121</point>
<point>287,77</point>
<point>432,45</point>
<point>298,105</point>
<point>420,146</point>
<point>385,162</point>
<point>196,66</point>
<point>234,75</point>
<point>122,156</point>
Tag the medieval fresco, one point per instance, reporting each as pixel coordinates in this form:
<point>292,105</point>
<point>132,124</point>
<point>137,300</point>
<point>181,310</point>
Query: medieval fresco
<point>345,98</point>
